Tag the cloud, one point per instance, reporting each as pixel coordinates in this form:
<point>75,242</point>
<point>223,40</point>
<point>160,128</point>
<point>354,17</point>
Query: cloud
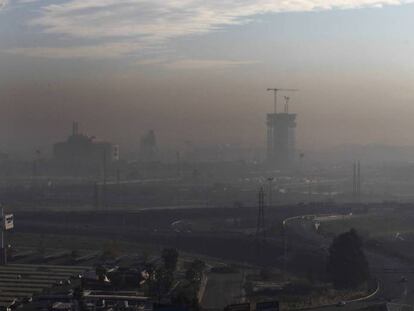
<point>151,61</point>
<point>98,51</point>
<point>189,64</point>
<point>160,19</point>
<point>153,22</point>
<point>3,4</point>
<point>193,64</point>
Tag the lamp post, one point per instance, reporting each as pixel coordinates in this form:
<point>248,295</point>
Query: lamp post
<point>270,190</point>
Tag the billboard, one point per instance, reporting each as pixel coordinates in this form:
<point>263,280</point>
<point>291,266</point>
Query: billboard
<point>267,306</point>
<point>8,222</point>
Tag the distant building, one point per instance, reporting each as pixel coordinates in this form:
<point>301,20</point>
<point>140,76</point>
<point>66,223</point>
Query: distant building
<point>81,150</point>
<point>281,138</point>
<point>148,150</point>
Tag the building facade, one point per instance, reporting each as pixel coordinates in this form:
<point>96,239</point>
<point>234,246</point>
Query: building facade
<point>82,151</point>
<point>148,149</point>
<point>281,136</point>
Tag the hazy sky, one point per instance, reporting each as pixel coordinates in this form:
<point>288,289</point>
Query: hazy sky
<point>198,70</point>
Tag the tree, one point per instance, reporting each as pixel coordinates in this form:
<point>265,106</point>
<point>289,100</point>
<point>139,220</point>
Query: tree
<point>160,283</point>
<point>186,296</point>
<point>195,271</point>
<point>170,257</point>
<point>100,273</point>
<point>347,264</point>
<point>187,293</point>
<point>198,265</point>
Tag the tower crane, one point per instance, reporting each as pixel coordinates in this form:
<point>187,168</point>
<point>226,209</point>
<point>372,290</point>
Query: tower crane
<point>276,90</point>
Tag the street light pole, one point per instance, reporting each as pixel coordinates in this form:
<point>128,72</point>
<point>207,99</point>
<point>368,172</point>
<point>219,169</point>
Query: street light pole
<point>285,249</point>
<point>270,190</point>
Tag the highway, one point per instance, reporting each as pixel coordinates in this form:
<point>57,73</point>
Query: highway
<point>395,277</point>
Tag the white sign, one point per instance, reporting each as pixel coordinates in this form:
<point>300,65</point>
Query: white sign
<point>8,222</point>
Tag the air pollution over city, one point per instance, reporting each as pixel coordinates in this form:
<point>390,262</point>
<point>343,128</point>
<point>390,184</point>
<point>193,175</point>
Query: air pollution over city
<point>206,155</point>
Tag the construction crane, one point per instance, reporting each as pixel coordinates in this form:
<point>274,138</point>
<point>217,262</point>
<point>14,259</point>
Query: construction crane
<point>275,90</point>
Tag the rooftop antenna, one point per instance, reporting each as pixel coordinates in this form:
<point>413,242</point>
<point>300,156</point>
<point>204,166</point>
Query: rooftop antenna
<point>275,90</point>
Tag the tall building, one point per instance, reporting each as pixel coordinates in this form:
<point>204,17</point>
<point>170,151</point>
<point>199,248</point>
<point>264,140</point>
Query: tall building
<point>80,150</point>
<point>281,139</point>
<point>148,147</point>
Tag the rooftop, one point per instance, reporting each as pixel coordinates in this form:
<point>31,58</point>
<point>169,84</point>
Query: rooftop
<point>20,282</point>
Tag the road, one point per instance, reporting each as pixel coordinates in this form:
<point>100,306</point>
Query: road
<point>222,290</point>
<point>389,271</point>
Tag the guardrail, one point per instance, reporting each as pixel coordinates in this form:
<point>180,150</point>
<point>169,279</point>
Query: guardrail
<point>373,294</point>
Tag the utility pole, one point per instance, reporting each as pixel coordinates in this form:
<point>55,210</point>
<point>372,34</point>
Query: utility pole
<point>178,160</point>
<point>285,249</point>
<point>35,168</point>
<point>359,181</point>
<point>260,230</point>
<point>118,185</point>
<point>270,191</point>
<point>356,181</point>
<point>7,223</point>
<point>96,194</point>
<point>104,180</point>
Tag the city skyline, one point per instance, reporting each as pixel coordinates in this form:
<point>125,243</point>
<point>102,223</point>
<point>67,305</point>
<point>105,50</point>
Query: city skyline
<point>186,67</point>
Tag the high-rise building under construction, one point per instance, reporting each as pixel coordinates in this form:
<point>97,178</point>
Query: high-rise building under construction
<point>281,139</point>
